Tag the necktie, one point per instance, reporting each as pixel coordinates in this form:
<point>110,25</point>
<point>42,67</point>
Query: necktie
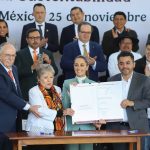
<point>11,75</point>
<point>40,30</point>
<point>35,57</point>
<point>85,53</point>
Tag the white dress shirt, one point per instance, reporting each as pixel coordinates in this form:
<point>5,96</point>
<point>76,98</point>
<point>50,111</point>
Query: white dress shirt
<point>125,89</point>
<point>113,62</point>
<point>31,51</point>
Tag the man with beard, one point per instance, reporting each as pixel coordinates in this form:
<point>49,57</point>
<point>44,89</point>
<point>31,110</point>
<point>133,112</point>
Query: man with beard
<point>28,59</point>
<point>143,66</point>
<point>135,98</point>
<point>125,43</point>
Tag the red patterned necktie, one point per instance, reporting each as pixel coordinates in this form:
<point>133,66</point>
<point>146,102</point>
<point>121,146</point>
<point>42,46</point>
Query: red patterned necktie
<point>11,75</point>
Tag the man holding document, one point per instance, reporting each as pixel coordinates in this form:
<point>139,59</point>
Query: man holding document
<point>136,97</point>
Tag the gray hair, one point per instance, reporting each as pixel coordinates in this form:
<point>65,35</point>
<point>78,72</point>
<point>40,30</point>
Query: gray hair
<point>42,68</point>
<point>5,44</point>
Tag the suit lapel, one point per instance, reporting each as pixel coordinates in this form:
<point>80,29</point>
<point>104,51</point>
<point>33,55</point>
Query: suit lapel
<point>28,56</point>
<point>133,84</point>
<point>73,30</point>
<point>46,31</point>
<point>91,50</point>
<point>77,49</point>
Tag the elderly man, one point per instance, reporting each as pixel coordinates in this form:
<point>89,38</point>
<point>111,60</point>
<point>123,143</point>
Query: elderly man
<point>126,43</point>
<point>109,43</point>
<point>70,33</point>
<point>48,31</point>
<point>136,97</point>
<point>10,93</point>
<point>83,46</point>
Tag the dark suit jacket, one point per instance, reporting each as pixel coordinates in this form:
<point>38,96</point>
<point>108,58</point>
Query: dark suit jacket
<point>71,51</point>
<point>27,78</point>
<point>51,33</point>
<point>139,92</point>
<point>148,39</point>
<point>68,34</point>
<point>140,65</point>
<point>110,45</point>
<point>10,100</point>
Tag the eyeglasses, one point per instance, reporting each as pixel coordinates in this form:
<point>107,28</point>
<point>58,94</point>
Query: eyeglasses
<point>84,32</point>
<point>34,38</point>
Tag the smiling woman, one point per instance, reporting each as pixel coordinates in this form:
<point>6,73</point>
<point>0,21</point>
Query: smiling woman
<point>3,31</point>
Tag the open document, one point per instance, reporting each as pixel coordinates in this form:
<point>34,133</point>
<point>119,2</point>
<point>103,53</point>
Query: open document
<point>96,101</point>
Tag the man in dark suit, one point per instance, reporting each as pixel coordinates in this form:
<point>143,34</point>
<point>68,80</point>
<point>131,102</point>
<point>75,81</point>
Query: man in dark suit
<point>48,31</point>
<point>83,46</point>
<point>10,94</point>
<point>26,63</point>
<point>70,33</point>
<point>143,66</point>
<point>109,42</point>
<point>136,97</point>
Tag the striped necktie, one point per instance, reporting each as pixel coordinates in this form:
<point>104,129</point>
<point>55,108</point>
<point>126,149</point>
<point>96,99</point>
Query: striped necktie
<point>11,75</point>
<point>85,53</point>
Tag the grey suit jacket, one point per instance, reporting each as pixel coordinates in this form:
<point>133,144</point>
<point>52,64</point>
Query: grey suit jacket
<point>139,92</point>
<point>67,104</point>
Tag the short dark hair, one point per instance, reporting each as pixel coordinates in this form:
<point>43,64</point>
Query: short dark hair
<point>39,5</point>
<point>82,57</point>
<point>2,20</point>
<point>84,23</point>
<point>76,7</point>
<point>32,30</point>
<point>125,54</point>
<point>148,43</point>
<point>120,13</point>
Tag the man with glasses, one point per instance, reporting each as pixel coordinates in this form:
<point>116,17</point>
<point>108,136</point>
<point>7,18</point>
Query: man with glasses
<point>48,31</point>
<point>10,95</point>
<point>28,59</point>
<point>83,46</point>
<point>70,33</point>
<point>126,43</point>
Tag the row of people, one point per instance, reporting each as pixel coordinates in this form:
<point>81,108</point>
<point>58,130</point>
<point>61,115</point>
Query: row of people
<point>49,32</point>
<point>47,104</point>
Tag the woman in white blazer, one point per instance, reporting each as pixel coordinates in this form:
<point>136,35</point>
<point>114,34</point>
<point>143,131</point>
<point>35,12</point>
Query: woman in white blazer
<point>48,97</point>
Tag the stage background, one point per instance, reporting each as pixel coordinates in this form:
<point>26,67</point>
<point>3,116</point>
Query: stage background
<point>98,12</point>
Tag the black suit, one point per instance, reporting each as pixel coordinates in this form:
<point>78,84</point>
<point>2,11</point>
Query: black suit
<point>51,33</point>
<point>27,78</point>
<point>140,65</point>
<point>68,34</point>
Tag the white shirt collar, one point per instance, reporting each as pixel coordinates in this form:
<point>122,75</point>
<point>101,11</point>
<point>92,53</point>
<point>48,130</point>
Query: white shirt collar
<point>129,80</point>
<point>31,51</point>
<point>81,79</point>
<point>5,67</point>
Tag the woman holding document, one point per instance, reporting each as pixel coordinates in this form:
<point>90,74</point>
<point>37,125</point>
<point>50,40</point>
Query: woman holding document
<point>81,68</point>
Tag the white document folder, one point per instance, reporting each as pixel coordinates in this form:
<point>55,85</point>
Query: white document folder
<point>96,101</point>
